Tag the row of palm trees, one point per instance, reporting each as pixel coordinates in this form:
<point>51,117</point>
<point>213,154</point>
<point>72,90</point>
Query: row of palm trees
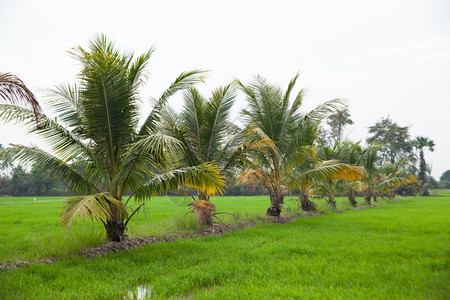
<point>103,148</point>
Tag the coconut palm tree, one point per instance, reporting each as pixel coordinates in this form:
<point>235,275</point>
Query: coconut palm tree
<point>420,143</point>
<point>391,178</point>
<point>379,180</point>
<point>205,133</point>
<point>322,177</point>
<point>204,130</point>
<point>368,162</point>
<point>272,115</point>
<point>333,184</point>
<point>98,143</point>
<point>350,153</point>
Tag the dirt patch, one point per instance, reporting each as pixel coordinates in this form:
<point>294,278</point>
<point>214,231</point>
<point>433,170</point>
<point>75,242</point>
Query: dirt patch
<point>22,263</point>
<point>313,213</point>
<point>132,242</point>
<point>281,219</point>
<point>359,207</point>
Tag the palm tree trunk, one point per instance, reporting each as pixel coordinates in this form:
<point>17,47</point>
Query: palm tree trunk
<point>423,174</point>
<point>115,228</point>
<point>276,201</point>
<point>351,197</point>
<point>422,168</point>
<point>331,200</point>
<point>307,205</point>
<point>203,196</point>
<point>367,198</point>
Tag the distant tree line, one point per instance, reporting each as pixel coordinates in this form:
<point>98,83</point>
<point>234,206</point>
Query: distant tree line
<point>35,182</point>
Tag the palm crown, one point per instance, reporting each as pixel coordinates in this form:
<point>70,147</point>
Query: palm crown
<point>204,130</point>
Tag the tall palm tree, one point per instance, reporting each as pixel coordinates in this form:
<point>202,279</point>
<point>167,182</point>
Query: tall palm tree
<point>420,143</point>
<point>272,115</point>
<point>98,143</point>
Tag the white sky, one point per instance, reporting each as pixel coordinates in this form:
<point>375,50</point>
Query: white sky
<point>386,57</point>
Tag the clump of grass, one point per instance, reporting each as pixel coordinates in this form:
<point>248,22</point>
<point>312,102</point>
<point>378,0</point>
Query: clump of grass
<point>187,223</point>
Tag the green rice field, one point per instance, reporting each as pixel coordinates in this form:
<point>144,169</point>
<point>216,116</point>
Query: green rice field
<point>399,250</point>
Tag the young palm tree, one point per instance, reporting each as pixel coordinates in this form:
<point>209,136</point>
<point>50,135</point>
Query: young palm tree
<point>322,176</point>
<point>273,115</point>
<point>392,177</point>
<point>205,134</point>
<point>333,184</point>
<point>14,91</point>
<point>368,162</point>
<point>204,130</point>
<point>350,153</point>
<point>420,143</point>
<point>97,141</point>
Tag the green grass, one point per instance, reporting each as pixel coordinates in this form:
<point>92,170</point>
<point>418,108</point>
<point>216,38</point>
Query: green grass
<point>30,230</point>
<point>397,251</point>
<point>440,192</point>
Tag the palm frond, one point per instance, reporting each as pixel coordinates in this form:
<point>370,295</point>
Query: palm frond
<point>14,91</point>
<point>358,186</point>
<point>217,112</point>
<point>64,103</point>
<point>324,110</point>
<point>144,158</point>
<point>394,181</point>
<point>98,207</point>
<point>205,177</point>
<point>255,178</point>
<point>62,141</point>
<point>182,82</point>
<point>53,166</point>
<point>328,170</point>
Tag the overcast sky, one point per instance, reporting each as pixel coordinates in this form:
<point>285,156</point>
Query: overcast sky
<point>386,57</point>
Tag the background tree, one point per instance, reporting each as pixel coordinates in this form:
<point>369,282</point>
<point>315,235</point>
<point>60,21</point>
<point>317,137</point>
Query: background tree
<point>333,129</point>
<point>21,182</point>
<point>420,143</point>
<point>338,121</point>
<point>97,142</point>
<point>444,180</point>
<point>393,140</point>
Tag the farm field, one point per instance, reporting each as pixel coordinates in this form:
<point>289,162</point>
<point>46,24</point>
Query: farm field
<point>397,250</point>
<point>30,230</point>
